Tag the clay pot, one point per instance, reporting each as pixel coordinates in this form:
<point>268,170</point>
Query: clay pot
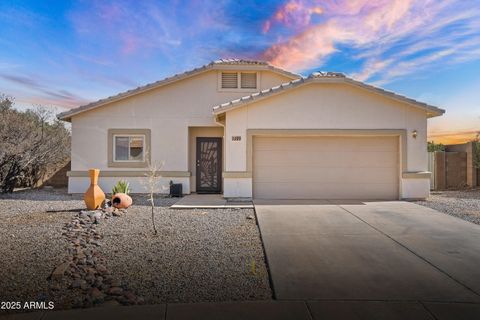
<point>121,201</point>
<point>94,196</point>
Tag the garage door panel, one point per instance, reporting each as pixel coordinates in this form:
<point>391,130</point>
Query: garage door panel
<point>326,143</point>
<point>324,175</point>
<point>319,158</point>
<point>325,167</point>
<point>324,191</point>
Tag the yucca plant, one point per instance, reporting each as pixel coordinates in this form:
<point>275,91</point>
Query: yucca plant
<point>121,187</point>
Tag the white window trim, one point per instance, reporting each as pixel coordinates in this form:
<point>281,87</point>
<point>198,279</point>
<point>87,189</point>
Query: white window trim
<point>239,81</point>
<point>129,136</point>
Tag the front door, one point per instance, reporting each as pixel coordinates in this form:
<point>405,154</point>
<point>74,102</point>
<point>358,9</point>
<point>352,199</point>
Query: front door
<point>209,165</point>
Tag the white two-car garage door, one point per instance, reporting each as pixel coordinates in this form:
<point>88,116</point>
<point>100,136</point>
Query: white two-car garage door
<point>325,167</point>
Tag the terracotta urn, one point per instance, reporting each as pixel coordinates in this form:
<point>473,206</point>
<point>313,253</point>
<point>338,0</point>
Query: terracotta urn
<point>121,201</point>
<point>94,196</point>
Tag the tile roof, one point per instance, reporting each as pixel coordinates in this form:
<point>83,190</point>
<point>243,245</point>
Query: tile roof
<point>325,77</point>
<point>177,77</point>
<point>239,61</point>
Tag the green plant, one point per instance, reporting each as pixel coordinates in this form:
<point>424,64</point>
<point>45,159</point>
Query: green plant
<point>476,151</point>
<point>121,187</point>
<point>432,146</point>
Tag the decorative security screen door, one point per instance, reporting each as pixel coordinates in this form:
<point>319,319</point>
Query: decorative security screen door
<point>209,165</point>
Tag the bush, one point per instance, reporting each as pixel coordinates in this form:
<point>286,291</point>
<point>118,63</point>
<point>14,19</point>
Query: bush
<point>476,151</point>
<point>121,187</point>
<point>33,144</point>
<point>432,146</point>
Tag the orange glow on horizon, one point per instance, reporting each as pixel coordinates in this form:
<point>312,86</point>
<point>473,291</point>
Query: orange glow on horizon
<point>453,137</point>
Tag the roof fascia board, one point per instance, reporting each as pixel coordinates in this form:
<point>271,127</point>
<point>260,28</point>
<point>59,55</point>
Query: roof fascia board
<point>431,110</point>
<point>67,115</point>
<point>391,95</point>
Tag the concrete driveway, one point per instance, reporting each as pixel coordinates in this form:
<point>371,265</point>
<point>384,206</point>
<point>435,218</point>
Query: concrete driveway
<point>388,252</point>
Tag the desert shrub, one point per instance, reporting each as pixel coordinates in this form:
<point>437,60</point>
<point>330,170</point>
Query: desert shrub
<point>121,187</point>
<point>33,144</point>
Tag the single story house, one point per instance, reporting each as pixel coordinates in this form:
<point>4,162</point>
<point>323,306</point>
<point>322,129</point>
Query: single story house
<point>248,129</point>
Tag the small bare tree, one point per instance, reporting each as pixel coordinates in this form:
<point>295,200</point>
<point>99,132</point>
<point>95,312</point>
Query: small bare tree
<point>151,184</point>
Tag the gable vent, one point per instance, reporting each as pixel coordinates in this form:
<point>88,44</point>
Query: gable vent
<point>229,80</point>
<point>249,80</point>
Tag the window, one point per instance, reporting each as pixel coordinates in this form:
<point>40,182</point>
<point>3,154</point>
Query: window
<point>248,80</point>
<point>238,80</point>
<point>129,148</point>
<point>229,80</point>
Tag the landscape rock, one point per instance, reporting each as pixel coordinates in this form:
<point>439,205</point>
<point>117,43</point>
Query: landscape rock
<point>110,303</point>
<point>96,295</point>
<point>115,291</point>
<point>59,271</point>
<point>109,210</point>
<point>101,269</point>
<point>78,283</point>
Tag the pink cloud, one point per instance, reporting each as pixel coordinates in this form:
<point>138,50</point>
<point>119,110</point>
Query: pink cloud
<point>46,101</point>
<point>129,27</point>
<point>300,51</point>
<point>295,13</point>
<point>355,22</point>
<point>374,27</point>
<point>130,43</point>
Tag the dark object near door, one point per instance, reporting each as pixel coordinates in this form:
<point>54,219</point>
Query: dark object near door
<point>209,165</point>
<point>176,190</point>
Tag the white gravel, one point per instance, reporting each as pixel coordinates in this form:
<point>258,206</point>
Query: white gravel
<point>198,255</point>
<point>464,204</point>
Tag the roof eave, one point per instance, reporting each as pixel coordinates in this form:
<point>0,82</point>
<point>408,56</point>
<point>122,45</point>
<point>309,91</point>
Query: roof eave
<point>64,116</point>
<point>67,115</point>
<point>432,111</point>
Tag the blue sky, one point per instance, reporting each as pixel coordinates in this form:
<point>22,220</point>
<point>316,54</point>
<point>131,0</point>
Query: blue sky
<point>67,53</point>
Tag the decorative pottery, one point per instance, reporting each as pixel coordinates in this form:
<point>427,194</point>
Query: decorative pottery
<point>121,201</point>
<point>94,196</point>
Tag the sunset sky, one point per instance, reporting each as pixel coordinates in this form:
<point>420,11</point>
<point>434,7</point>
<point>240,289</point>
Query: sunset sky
<point>67,53</point>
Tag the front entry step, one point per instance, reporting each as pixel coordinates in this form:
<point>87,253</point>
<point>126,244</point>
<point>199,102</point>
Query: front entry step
<point>209,201</point>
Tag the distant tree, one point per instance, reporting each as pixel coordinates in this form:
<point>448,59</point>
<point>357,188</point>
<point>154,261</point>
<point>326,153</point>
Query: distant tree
<point>432,146</point>
<point>476,151</point>
<point>6,102</point>
<point>32,144</point>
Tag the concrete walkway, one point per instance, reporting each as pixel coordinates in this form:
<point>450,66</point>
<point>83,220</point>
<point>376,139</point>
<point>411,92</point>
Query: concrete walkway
<point>376,251</point>
<point>209,201</point>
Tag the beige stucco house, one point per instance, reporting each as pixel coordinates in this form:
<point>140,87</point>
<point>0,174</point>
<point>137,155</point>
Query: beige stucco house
<point>250,130</point>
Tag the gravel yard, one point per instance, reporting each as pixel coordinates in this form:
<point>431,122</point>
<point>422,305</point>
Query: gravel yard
<point>31,241</point>
<point>464,204</point>
<point>198,255</point>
